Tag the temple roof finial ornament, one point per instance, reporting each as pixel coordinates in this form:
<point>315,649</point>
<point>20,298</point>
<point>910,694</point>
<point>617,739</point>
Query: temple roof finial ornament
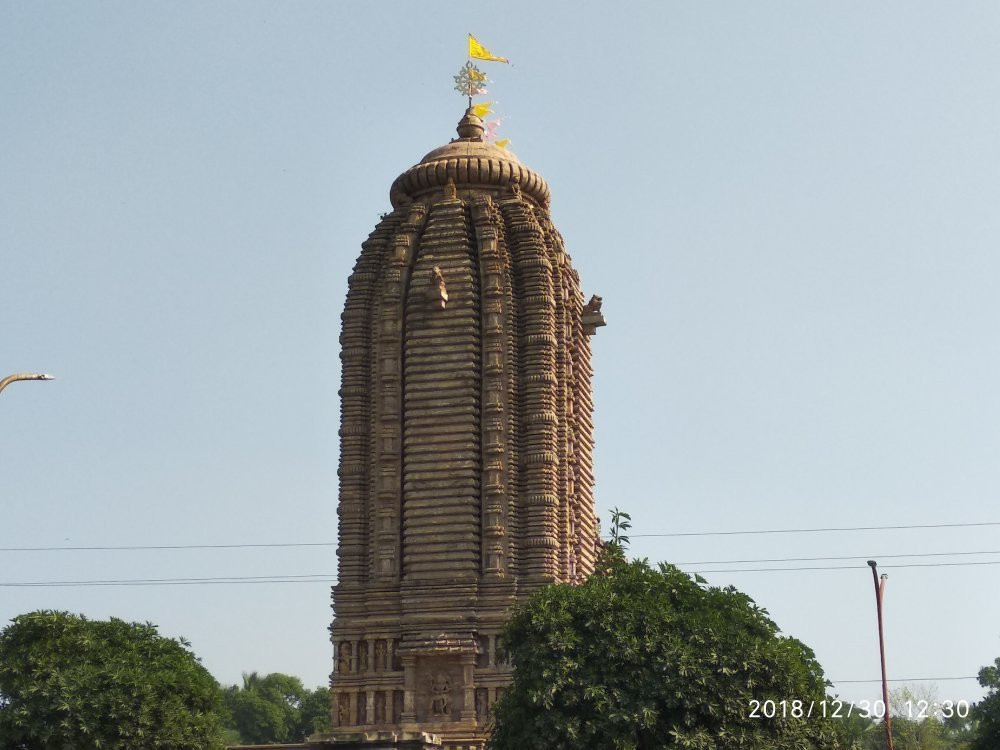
<point>470,127</point>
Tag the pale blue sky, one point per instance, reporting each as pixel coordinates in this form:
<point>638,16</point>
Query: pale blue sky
<point>789,208</point>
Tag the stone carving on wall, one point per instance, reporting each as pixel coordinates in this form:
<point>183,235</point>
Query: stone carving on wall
<point>362,708</point>
<point>343,710</point>
<point>344,662</point>
<point>441,695</point>
<point>438,293</point>
<point>482,704</point>
<point>380,655</point>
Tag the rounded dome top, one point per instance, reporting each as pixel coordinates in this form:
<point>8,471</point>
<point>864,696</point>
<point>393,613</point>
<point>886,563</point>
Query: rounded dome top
<point>469,162</point>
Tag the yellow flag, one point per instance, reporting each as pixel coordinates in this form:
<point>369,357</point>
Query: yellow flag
<point>503,142</point>
<point>481,110</point>
<point>480,52</point>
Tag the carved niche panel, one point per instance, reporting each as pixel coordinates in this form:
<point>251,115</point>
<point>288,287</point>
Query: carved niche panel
<point>440,692</point>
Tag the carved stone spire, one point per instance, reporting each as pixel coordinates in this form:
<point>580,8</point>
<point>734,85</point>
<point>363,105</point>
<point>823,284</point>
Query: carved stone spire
<point>466,474</point>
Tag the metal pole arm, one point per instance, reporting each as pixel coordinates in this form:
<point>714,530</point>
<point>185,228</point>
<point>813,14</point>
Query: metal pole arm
<point>24,376</point>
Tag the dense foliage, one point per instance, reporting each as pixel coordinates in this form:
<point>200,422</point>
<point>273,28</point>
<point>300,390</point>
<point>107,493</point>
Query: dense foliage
<point>70,682</point>
<point>639,658</point>
<point>920,721</point>
<point>275,708</point>
<point>987,711</point>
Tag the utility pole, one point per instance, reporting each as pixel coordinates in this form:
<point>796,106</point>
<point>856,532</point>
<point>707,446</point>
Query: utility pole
<point>879,594</point>
<point>24,376</point>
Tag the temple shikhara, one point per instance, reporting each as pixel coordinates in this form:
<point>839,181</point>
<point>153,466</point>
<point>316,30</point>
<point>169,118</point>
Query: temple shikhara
<point>466,473</point>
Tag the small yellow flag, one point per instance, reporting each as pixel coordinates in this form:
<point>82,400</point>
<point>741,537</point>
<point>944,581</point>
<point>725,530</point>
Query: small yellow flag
<point>480,52</point>
<point>481,110</point>
<point>503,142</point>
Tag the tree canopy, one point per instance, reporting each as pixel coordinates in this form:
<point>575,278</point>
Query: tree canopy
<point>639,657</point>
<point>987,711</point>
<point>70,682</point>
<point>275,708</point>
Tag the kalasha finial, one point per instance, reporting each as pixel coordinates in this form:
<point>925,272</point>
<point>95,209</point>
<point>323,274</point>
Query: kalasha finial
<point>470,127</point>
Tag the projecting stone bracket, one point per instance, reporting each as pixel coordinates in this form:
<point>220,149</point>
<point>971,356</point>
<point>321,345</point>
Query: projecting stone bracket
<point>592,317</point>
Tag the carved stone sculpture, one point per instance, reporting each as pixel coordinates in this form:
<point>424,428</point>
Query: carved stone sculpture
<point>441,695</point>
<point>592,318</point>
<point>344,710</point>
<point>344,660</point>
<point>482,704</point>
<point>438,292</point>
<point>362,656</point>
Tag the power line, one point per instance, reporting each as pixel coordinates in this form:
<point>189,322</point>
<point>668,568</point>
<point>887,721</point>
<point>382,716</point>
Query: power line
<point>165,546</point>
<point>907,679</point>
<point>331,578</point>
<point>850,567</point>
<point>846,557</point>
<point>819,530</point>
<point>307,578</point>
<point>133,547</point>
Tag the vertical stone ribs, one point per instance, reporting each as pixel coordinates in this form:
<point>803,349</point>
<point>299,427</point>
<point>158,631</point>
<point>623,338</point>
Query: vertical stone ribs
<point>586,540</point>
<point>466,430</point>
<point>441,426</point>
<point>578,537</point>
<point>564,401</point>
<point>356,404</point>
<point>498,391</point>
<point>513,399</point>
<point>539,500</point>
<point>385,512</point>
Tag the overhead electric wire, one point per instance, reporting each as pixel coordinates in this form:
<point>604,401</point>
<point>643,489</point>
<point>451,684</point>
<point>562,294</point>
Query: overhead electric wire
<point>306,578</point>
<point>326,578</point>
<point>843,557</point>
<point>849,567</point>
<point>907,679</point>
<point>819,530</point>
<point>73,548</point>
<point>332,578</point>
<point>166,546</point>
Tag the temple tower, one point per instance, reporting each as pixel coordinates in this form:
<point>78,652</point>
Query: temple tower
<point>466,440</point>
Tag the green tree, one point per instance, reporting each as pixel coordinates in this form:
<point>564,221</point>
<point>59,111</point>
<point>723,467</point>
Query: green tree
<point>639,658</point>
<point>70,682</point>
<point>987,711</point>
<point>916,724</point>
<point>959,731</point>
<point>315,712</point>
<point>857,732</point>
<point>918,734</point>
<point>920,723</point>
<point>275,708</point>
